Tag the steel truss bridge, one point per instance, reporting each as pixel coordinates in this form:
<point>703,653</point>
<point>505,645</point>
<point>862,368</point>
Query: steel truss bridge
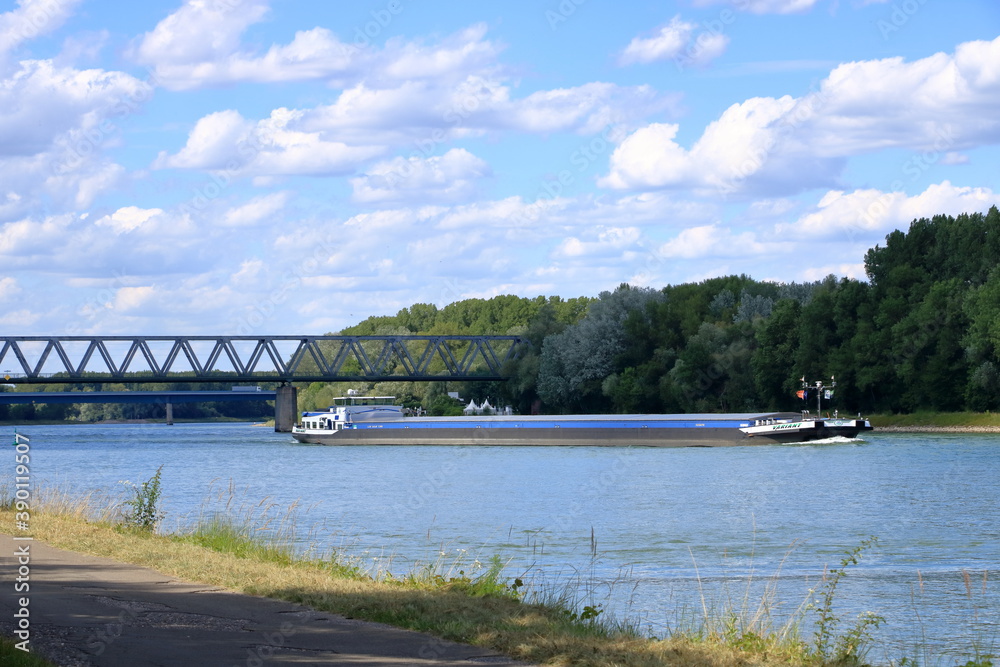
<point>283,359</point>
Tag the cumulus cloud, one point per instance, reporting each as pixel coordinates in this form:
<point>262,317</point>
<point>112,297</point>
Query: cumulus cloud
<point>213,142</point>
<point>128,219</point>
<point>872,212</point>
<point>600,243</point>
<point>56,123</point>
<point>450,177</point>
<point>739,146</point>
<point>31,19</point>
<point>273,146</point>
<point>717,241</point>
<point>44,107</point>
<point>781,146</point>
<point>132,239</point>
<point>403,95</point>
<point>430,112</point>
<point>199,45</point>
<point>366,123</point>
<point>451,58</point>
<point>185,48</point>
<point>133,298</point>
<point>676,41</point>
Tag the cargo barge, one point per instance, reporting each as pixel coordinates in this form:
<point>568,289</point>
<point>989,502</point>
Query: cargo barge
<point>375,420</point>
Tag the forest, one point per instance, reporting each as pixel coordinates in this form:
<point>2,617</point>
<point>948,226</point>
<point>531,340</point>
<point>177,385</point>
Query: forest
<point>921,333</point>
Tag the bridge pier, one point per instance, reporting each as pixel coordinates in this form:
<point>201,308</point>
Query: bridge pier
<point>170,413</point>
<point>286,409</point>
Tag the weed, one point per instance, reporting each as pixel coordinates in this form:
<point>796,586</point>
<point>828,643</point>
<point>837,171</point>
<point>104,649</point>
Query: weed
<point>143,515</point>
<point>850,647</point>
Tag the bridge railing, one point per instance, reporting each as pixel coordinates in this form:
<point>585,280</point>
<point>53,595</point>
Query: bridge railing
<point>48,359</point>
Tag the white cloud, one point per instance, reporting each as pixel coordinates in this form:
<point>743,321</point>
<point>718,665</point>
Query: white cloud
<point>225,141</point>
<point>855,270</point>
<point>936,105</point>
<point>55,124</point>
<point>763,6</point>
<point>256,210</point>
<point>677,41</point>
<point>27,239</point>
<point>9,289</point>
<point>429,112</point>
<point>864,214</point>
<point>731,150</point>
<point>455,56</point>
<point>199,45</point>
<point>587,109</point>
<point>184,47</point>
<point>128,219</point>
<point>44,107</point>
<point>214,141</point>
<point>936,102</point>
<point>133,298</point>
<point>603,242</point>
<point>450,177</point>
<point>716,241</point>
<point>366,123</point>
<point>404,95</point>
<point>249,273</point>
<point>31,19</point>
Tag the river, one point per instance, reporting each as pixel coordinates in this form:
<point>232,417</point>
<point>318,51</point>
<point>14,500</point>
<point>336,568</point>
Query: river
<point>655,536</point>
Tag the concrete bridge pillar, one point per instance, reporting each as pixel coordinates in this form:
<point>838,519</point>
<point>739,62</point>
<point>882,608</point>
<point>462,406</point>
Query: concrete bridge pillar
<point>286,409</point>
<point>170,413</point>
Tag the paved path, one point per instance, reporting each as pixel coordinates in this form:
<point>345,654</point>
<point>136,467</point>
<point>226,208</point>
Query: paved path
<point>89,611</point>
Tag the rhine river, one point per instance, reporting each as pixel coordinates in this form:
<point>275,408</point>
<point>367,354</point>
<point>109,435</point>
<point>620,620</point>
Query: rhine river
<point>655,536</point>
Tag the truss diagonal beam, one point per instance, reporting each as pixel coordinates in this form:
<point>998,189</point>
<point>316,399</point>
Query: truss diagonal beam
<point>311,358</point>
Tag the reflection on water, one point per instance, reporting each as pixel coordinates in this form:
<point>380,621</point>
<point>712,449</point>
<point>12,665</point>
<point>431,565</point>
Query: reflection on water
<point>659,535</point>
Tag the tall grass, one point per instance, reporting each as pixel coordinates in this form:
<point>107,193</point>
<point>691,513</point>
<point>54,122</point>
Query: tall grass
<point>229,522</point>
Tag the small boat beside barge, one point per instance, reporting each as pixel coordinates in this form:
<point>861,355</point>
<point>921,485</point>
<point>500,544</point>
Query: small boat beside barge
<point>375,420</point>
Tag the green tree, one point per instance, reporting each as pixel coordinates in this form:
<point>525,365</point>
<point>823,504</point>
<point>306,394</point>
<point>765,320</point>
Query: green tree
<point>575,362</point>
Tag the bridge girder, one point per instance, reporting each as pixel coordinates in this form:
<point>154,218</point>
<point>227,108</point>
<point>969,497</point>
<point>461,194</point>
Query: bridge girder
<point>140,359</point>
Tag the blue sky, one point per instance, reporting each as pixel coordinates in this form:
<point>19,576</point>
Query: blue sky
<point>284,167</point>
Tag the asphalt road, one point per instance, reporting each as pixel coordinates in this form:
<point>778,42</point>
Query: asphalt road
<point>87,611</point>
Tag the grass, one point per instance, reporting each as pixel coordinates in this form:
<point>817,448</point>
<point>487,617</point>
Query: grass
<point>938,419</point>
<point>11,656</point>
<point>246,548</point>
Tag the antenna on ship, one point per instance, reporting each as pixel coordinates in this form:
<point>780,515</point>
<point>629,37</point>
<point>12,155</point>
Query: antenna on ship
<point>820,389</point>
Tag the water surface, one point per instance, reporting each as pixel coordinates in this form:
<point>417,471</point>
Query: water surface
<point>655,535</point>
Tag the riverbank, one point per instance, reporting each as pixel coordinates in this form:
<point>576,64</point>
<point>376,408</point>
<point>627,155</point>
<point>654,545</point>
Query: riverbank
<point>937,422</point>
<point>937,429</point>
<point>466,603</point>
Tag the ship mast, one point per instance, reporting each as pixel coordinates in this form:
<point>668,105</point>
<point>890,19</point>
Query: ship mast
<point>819,387</point>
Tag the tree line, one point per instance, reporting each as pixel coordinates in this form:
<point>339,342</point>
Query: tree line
<point>95,412</point>
<point>922,333</point>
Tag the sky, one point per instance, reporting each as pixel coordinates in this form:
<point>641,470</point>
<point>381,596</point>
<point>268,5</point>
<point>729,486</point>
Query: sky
<point>243,167</point>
